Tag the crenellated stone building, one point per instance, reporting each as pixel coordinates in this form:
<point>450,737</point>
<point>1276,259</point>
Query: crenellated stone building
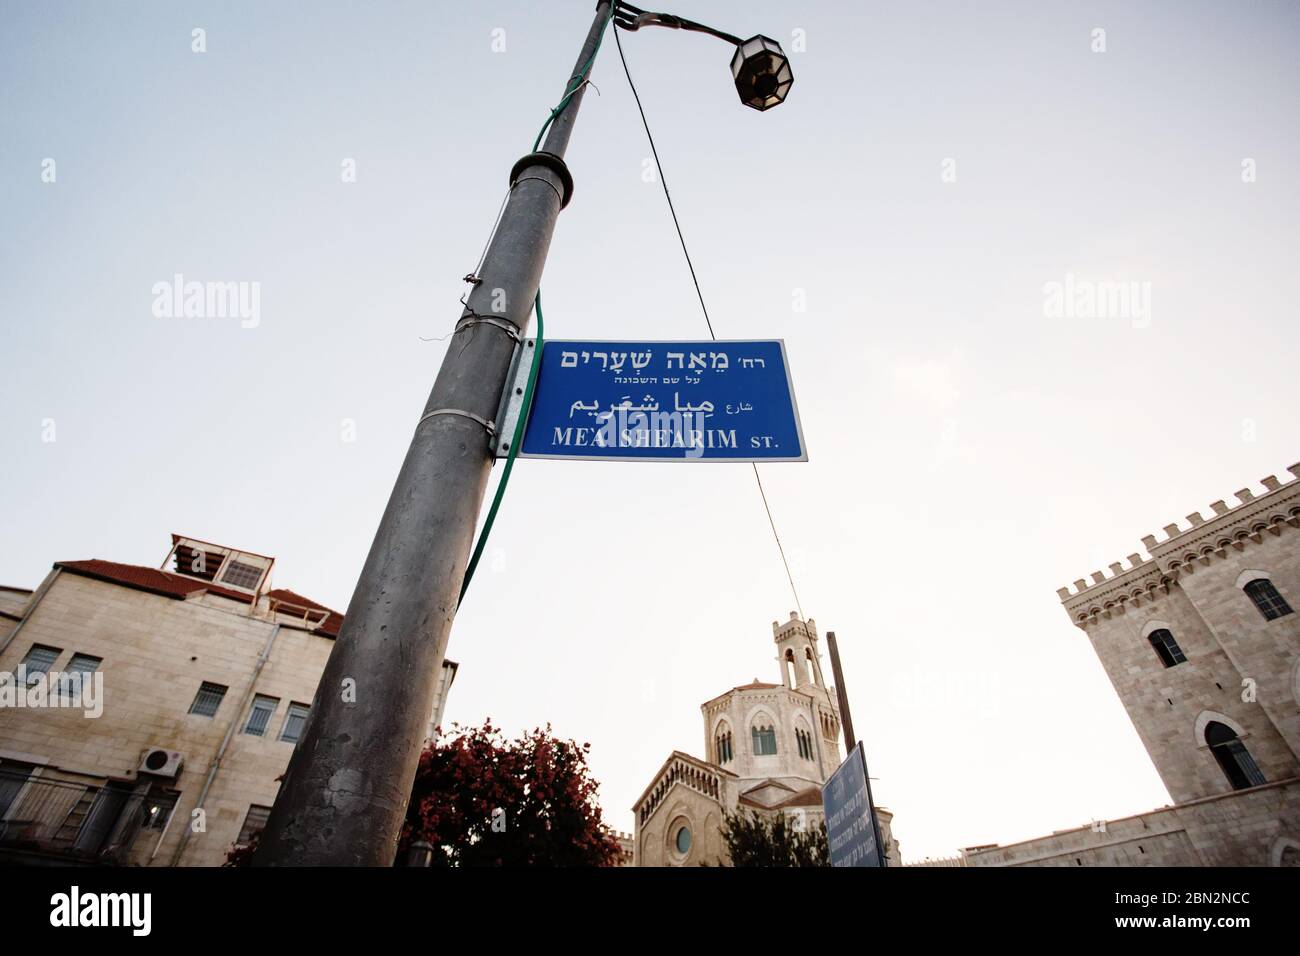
<point>770,747</point>
<point>1201,642</point>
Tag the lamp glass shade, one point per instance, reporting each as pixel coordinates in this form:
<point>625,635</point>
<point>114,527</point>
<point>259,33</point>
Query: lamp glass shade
<point>762,72</point>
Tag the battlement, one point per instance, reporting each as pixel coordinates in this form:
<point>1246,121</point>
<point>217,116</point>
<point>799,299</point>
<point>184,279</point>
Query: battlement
<point>795,625</point>
<point>1228,527</point>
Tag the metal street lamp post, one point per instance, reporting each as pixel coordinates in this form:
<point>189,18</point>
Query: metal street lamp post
<point>345,794</point>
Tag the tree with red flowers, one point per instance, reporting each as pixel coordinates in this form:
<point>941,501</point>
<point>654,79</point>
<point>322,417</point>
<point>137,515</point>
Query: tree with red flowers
<point>482,800</point>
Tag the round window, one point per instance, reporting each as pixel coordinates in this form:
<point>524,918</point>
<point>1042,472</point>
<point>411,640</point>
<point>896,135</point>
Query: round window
<point>684,840</point>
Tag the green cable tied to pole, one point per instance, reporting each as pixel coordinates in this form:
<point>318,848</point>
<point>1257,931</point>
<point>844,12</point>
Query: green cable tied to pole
<point>526,405</point>
<point>577,83</point>
<point>515,440</point>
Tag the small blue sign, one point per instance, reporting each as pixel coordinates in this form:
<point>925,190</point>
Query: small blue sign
<point>664,401</point>
<point>850,817</point>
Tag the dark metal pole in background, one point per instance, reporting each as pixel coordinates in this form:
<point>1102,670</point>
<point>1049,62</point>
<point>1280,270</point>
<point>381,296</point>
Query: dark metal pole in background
<point>845,718</point>
<point>850,741</point>
<point>345,793</point>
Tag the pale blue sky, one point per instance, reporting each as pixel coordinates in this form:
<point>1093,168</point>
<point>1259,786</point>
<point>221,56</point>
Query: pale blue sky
<point>968,455</point>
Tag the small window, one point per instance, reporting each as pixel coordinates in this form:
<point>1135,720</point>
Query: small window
<point>1166,647</point>
<point>260,715</point>
<point>39,660</point>
<point>293,722</point>
<point>764,741</point>
<point>76,673</point>
<point>13,778</point>
<point>241,575</point>
<point>158,810</point>
<point>208,699</point>
<point>1266,597</point>
<point>254,823</point>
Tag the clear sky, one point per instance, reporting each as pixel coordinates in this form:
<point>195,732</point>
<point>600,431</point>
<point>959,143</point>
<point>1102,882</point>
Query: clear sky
<point>970,451</point>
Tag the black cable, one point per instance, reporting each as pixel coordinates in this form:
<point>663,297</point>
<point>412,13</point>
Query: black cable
<point>699,294</point>
<point>770,520</point>
<point>663,182</point>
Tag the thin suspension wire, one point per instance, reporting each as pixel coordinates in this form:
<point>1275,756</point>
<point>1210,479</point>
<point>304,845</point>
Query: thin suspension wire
<point>772,521</point>
<point>501,210</point>
<point>664,182</point>
<point>700,295</point>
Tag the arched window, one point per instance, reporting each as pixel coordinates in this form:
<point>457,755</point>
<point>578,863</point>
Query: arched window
<point>722,744</point>
<point>1235,760</point>
<point>1266,597</point>
<point>805,742</point>
<point>812,666</point>
<point>1165,646</point>
<point>764,739</point>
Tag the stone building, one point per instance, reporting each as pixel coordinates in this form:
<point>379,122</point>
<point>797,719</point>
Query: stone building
<point>203,675</point>
<point>770,748</point>
<point>626,849</point>
<point>1202,644</point>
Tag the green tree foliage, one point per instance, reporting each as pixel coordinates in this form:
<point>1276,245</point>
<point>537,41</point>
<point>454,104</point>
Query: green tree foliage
<point>762,840</point>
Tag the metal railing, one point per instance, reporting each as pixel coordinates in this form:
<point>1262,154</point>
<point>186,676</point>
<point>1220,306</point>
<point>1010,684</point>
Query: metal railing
<point>56,815</point>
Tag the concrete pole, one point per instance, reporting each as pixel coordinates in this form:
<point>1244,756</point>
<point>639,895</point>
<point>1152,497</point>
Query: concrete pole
<point>345,793</point>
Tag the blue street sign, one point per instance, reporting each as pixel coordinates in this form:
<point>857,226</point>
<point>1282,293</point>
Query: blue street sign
<point>850,817</point>
<point>664,401</point>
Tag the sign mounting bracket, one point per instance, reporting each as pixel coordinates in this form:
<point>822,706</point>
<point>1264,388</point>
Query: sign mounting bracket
<point>512,398</point>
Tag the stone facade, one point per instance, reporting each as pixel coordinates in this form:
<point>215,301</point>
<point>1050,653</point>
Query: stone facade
<point>770,747</point>
<point>78,787</point>
<point>1202,645</point>
<point>1255,827</point>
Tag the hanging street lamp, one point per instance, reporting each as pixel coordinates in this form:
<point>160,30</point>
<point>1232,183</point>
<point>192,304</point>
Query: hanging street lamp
<point>759,66</point>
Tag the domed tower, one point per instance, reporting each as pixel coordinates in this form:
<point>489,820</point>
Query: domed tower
<point>786,732</point>
<point>768,749</point>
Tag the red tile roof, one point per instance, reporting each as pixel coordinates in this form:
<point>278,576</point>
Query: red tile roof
<point>135,576</point>
<point>178,586</point>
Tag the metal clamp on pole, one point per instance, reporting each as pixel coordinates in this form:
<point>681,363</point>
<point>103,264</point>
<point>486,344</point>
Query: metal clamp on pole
<point>489,427</point>
<point>474,318</point>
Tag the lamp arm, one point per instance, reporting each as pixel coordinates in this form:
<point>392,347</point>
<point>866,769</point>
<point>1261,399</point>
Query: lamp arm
<point>634,18</point>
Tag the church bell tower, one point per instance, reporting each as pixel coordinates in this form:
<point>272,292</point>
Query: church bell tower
<point>799,657</point>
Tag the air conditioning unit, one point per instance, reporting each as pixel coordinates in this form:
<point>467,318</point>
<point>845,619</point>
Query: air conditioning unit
<point>161,763</point>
